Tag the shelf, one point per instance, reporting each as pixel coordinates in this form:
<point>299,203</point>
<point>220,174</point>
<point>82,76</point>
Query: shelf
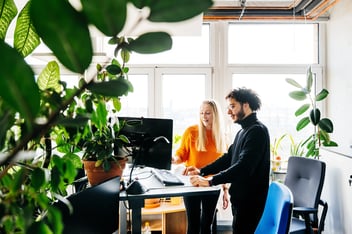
<point>163,218</point>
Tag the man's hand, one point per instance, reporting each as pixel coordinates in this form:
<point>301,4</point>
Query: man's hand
<point>199,181</point>
<point>191,170</point>
<point>225,199</point>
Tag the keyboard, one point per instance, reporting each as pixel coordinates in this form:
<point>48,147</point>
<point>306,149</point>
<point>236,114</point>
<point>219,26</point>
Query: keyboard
<point>166,177</point>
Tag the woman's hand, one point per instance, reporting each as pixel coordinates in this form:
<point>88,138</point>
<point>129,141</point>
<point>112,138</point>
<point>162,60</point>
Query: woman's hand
<point>199,181</point>
<point>176,160</point>
<point>191,170</point>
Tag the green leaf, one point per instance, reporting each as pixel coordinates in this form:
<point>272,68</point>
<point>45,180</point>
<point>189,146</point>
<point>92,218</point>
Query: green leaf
<point>68,169</point>
<point>113,69</point>
<point>55,178</point>
<point>17,84</point>
<point>327,125</point>
<point>26,39</point>
<point>302,109</point>
<point>298,95</point>
<point>18,180</point>
<point>108,16</point>
<point>153,42</point>
<point>106,165</point>
<point>99,117</point>
<point>324,136</point>
<point>39,227</point>
<point>311,146</point>
<point>309,79</point>
<point>124,138</point>
<point>125,55</point>
<point>309,153</point>
<point>54,215</point>
<point>49,77</point>
<point>8,12</point>
<point>65,31</point>
<point>38,178</point>
<point>117,104</point>
<point>111,88</point>
<point>330,144</point>
<point>75,159</point>
<point>302,123</point>
<point>321,95</point>
<point>6,121</point>
<point>175,10</point>
<point>314,116</point>
<point>294,83</point>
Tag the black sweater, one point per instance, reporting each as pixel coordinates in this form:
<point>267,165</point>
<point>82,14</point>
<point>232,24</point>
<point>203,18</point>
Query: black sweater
<point>246,165</point>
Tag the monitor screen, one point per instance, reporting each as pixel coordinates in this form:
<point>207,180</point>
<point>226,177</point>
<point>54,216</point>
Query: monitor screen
<point>151,141</point>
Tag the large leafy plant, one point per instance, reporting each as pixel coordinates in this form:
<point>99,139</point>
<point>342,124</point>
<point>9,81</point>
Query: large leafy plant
<point>33,111</point>
<point>322,127</point>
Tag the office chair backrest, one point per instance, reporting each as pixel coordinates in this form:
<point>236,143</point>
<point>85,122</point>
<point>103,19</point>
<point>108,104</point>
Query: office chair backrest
<point>277,213</point>
<point>305,178</point>
<point>95,209</point>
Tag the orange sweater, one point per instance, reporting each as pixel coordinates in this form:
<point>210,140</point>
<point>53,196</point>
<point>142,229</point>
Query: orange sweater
<point>188,152</point>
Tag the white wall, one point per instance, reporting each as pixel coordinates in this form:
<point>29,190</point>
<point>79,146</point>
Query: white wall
<point>337,190</point>
<point>339,69</point>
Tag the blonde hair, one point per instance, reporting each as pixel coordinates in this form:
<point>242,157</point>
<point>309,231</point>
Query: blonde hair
<point>217,129</point>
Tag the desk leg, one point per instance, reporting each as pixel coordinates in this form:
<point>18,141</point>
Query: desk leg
<point>123,219</point>
<point>136,206</point>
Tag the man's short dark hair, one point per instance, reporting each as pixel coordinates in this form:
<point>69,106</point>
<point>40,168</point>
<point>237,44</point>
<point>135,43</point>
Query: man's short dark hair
<point>244,95</point>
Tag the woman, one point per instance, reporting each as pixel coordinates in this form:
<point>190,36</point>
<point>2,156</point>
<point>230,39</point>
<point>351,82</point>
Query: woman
<point>200,145</point>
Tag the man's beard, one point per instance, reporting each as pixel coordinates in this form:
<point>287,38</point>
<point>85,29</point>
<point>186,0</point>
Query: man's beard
<point>240,115</point>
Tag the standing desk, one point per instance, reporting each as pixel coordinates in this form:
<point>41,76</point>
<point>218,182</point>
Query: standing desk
<point>154,190</point>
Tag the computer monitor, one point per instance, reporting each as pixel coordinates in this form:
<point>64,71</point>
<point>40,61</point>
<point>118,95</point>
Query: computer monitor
<point>151,141</point>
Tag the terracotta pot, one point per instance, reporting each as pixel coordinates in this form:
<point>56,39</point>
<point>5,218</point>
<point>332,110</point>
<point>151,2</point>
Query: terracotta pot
<point>96,175</point>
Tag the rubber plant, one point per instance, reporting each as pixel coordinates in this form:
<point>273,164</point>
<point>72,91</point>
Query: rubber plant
<point>322,126</point>
<point>30,113</point>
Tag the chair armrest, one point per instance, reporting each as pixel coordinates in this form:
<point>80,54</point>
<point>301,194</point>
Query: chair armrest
<point>324,204</point>
<point>305,213</point>
<point>304,210</point>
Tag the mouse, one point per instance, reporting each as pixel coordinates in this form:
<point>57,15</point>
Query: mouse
<point>135,187</point>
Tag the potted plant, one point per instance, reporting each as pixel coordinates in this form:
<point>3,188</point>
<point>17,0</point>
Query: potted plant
<point>296,149</point>
<point>104,149</point>
<point>104,155</point>
<point>322,127</point>
<point>276,161</point>
<point>105,152</point>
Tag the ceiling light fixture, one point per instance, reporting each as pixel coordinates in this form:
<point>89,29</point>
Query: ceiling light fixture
<point>243,6</point>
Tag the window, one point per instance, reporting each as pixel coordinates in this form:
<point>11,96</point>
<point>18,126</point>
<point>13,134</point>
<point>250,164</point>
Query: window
<point>135,104</point>
<point>277,111</point>
<point>273,43</point>
<point>174,93</point>
<point>181,95</point>
<point>185,50</point>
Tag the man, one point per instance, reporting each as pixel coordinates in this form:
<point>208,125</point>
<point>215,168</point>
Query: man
<point>245,166</point>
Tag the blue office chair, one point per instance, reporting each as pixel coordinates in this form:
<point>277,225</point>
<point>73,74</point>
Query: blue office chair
<point>305,178</point>
<point>277,213</point>
<point>95,209</point>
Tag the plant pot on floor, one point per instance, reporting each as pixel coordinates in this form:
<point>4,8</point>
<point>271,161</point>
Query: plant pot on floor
<point>97,175</point>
